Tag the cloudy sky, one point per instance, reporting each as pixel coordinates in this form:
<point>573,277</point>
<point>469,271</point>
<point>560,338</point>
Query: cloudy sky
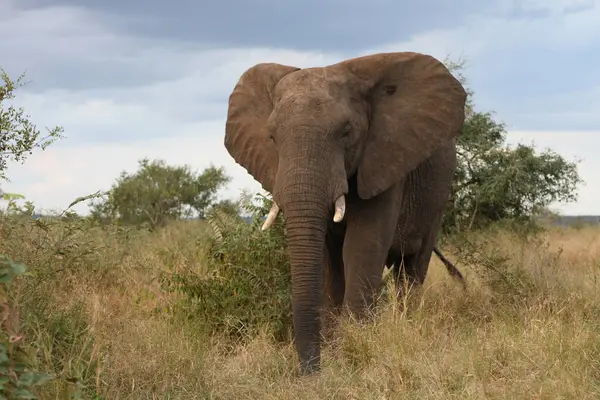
<point>130,79</point>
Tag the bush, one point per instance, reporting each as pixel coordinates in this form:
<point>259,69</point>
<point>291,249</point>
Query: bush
<point>158,193</point>
<point>494,181</point>
<point>17,378</point>
<point>246,287</point>
<point>63,252</point>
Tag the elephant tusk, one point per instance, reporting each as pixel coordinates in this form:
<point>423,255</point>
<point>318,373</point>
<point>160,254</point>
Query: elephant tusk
<point>340,209</point>
<point>271,217</point>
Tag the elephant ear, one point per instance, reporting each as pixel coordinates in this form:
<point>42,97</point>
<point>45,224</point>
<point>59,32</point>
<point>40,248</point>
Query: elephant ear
<point>416,106</point>
<point>246,134</point>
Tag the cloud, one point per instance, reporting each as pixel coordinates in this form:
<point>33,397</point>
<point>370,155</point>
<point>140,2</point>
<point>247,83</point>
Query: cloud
<point>156,109</point>
<point>312,24</point>
<point>579,6</point>
<point>55,177</point>
<point>123,95</point>
<point>536,74</point>
<point>58,41</point>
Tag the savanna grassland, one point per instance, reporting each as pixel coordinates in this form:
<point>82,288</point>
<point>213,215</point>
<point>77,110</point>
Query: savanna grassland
<point>118,313</point>
<point>135,302</point>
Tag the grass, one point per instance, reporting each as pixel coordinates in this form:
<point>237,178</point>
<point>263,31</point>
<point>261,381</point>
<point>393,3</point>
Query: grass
<point>95,315</point>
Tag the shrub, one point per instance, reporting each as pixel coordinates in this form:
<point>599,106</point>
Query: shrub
<point>246,287</point>
<point>62,253</point>
<point>494,181</point>
<point>17,377</point>
<point>158,193</point>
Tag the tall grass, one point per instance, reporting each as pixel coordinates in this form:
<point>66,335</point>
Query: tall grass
<point>113,313</point>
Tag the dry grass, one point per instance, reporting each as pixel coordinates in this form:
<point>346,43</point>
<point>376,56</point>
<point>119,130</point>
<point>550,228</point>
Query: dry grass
<point>531,330</point>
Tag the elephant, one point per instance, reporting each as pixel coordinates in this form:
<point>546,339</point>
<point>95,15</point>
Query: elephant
<point>359,156</point>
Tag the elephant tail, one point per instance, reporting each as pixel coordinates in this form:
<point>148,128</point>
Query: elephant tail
<point>451,268</point>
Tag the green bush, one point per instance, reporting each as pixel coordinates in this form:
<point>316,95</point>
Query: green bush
<point>247,286</point>
<point>17,378</point>
<point>495,181</point>
<point>61,252</point>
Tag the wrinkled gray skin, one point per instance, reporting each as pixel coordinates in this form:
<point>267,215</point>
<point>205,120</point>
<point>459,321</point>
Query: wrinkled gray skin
<point>379,132</point>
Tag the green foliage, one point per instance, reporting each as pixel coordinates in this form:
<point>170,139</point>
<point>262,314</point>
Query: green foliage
<point>227,206</point>
<point>61,251</point>
<point>13,208</point>
<point>158,193</point>
<point>18,135</point>
<point>247,283</point>
<point>495,182</point>
<point>18,138</point>
<point>16,376</point>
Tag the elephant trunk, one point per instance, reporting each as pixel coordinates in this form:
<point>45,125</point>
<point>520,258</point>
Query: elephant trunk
<point>309,184</point>
<point>307,207</point>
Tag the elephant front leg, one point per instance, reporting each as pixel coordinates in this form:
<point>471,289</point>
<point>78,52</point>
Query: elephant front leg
<point>334,272</point>
<point>370,230</point>
<point>334,288</point>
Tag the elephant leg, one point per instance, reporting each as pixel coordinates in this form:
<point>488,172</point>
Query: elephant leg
<point>401,259</point>
<point>415,266</point>
<point>370,230</point>
<point>406,274</point>
<point>334,271</point>
<point>400,271</point>
<point>333,295</point>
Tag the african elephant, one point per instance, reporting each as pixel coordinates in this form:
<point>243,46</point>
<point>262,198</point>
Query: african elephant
<point>359,156</point>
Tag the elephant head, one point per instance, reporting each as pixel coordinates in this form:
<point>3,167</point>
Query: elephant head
<point>302,133</point>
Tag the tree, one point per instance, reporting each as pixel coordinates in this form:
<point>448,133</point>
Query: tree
<point>18,138</point>
<point>158,193</point>
<point>18,135</point>
<point>494,181</point>
<point>227,206</point>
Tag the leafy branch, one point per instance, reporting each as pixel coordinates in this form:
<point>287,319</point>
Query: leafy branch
<point>18,135</point>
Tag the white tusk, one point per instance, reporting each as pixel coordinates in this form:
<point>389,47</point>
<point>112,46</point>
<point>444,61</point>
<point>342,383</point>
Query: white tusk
<point>271,217</point>
<point>340,209</point>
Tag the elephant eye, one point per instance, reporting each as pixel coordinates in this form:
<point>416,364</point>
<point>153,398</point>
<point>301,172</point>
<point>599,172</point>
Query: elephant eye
<point>390,89</point>
<point>347,129</point>
<point>272,138</point>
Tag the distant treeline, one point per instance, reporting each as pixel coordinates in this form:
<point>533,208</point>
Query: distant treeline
<point>570,220</point>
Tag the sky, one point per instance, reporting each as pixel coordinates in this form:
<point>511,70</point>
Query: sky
<point>131,79</point>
